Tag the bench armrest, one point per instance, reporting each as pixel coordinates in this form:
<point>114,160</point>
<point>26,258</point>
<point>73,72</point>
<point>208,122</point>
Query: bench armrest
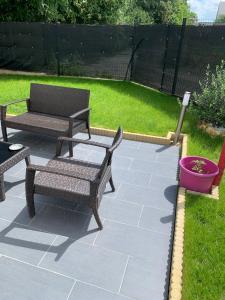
<point>75,115</point>
<point>14,102</point>
<point>3,107</point>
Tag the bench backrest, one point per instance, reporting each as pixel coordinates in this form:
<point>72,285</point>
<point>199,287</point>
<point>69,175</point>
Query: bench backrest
<point>57,100</point>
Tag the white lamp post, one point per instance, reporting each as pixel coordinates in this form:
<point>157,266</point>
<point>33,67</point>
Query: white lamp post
<point>185,103</point>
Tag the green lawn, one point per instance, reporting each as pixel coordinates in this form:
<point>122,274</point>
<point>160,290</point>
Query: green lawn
<point>148,111</point>
<point>112,102</point>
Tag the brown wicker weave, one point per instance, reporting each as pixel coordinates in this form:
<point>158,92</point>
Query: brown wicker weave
<point>51,110</point>
<point>11,161</point>
<point>72,179</point>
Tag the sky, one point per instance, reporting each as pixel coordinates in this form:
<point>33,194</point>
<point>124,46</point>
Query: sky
<point>206,9</point>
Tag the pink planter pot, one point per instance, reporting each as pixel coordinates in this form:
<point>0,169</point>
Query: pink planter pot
<point>194,181</point>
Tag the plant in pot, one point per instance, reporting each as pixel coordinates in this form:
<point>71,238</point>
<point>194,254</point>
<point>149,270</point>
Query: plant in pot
<point>197,173</point>
<point>208,104</point>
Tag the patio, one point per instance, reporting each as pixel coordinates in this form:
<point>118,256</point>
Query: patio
<point>61,254</point>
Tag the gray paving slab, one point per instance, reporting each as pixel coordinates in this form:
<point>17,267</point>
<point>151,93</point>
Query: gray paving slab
<point>21,281</point>
<point>54,201</point>
<point>15,184</point>
<point>15,209</point>
<point>146,154</point>
<point>115,210</point>
<point>65,223</point>
<point>83,291</point>
<point>161,182</point>
<point>90,264</point>
<point>157,168</point>
<point>72,259</point>
<point>23,243</point>
<point>132,177</point>
<point>157,220</point>
<point>133,240</point>
<point>141,280</point>
<point>157,197</point>
<point>120,211</point>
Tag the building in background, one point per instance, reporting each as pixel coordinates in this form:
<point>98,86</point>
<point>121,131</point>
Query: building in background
<point>221,10</point>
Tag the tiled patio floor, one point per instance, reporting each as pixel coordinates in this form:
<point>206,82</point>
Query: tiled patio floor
<point>60,254</point>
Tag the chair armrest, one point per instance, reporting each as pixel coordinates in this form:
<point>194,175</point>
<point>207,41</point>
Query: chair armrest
<point>56,171</point>
<point>62,139</point>
<point>75,115</point>
<point>79,141</point>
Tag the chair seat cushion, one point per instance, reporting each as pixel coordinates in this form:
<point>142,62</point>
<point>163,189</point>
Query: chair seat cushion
<point>42,123</point>
<point>63,186</point>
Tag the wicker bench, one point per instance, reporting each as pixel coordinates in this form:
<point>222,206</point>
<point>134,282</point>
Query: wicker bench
<point>51,110</point>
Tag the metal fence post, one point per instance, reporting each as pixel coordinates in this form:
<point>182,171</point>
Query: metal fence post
<point>130,63</point>
<point>44,39</point>
<point>57,50</point>
<point>177,65</point>
<point>165,57</point>
<point>132,57</point>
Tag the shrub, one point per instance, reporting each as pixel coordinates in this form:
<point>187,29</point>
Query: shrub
<point>209,103</point>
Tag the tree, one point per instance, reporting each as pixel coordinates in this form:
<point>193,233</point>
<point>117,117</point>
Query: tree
<point>96,11</point>
<point>155,11</point>
<point>131,12</point>
<point>169,11</point>
<point>174,11</point>
<point>34,10</point>
<point>69,11</point>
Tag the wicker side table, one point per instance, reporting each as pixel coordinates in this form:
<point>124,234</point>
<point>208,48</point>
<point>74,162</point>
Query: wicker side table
<point>8,159</point>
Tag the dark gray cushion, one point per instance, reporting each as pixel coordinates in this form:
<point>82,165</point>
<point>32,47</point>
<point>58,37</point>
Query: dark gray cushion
<point>57,100</point>
<point>47,182</point>
<point>42,123</point>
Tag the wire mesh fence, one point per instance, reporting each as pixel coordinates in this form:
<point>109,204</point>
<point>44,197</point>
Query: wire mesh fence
<point>168,57</point>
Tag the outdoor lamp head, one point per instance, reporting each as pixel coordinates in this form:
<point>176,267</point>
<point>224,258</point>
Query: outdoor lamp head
<point>186,98</point>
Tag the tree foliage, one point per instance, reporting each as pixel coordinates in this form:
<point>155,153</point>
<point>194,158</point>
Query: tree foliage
<point>67,11</point>
<point>96,11</point>
<point>155,11</point>
<point>220,19</point>
<point>173,11</point>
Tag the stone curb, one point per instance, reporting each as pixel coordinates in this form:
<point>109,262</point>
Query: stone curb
<point>176,274</point>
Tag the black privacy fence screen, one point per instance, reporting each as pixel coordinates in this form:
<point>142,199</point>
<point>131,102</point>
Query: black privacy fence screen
<point>171,58</point>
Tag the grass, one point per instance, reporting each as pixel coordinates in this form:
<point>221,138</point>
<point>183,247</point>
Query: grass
<point>113,102</point>
<point>143,110</point>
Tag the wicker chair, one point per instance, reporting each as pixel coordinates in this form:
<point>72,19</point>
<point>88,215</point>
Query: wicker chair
<point>72,179</point>
<point>51,110</point>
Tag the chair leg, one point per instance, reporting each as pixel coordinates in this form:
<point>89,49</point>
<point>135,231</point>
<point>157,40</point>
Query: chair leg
<point>88,129</point>
<point>30,205</point>
<point>112,184</point>
<point>2,188</point>
<point>71,149</point>
<point>4,132</point>
<point>96,215</point>
<point>27,160</point>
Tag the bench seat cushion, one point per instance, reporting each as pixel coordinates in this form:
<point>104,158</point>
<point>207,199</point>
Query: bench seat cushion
<point>43,124</point>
